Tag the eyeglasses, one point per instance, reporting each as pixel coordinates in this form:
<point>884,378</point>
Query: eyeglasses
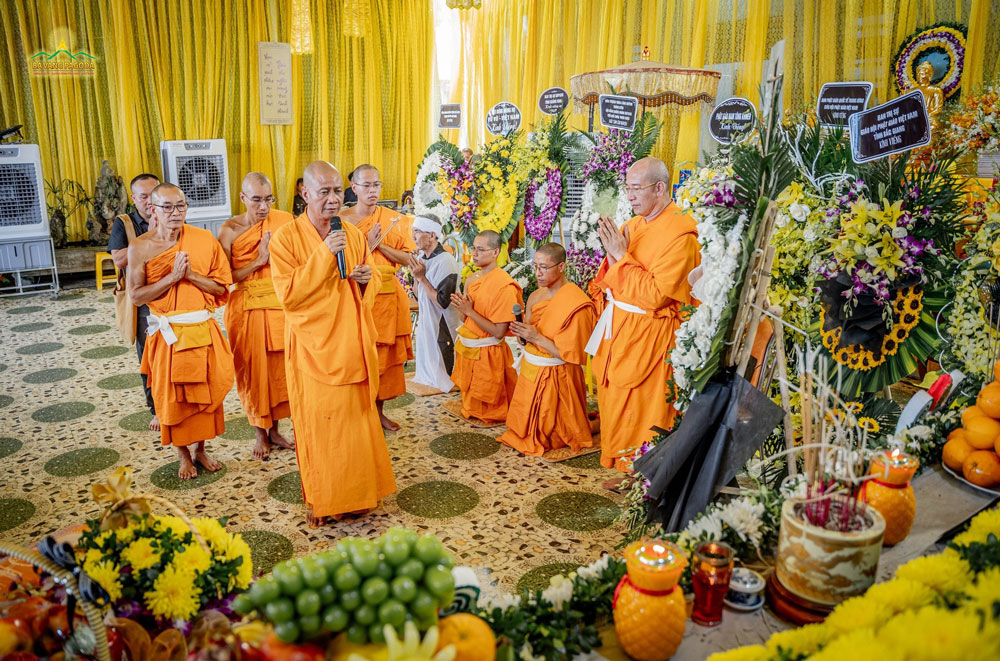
<point>478,250</point>
<point>636,189</point>
<point>545,269</point>
<point>170,208</point>
<point>269,200</point>
<point>372,186</point>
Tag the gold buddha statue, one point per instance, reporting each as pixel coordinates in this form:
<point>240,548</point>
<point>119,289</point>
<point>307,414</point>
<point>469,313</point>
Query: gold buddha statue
<point>933,96</point>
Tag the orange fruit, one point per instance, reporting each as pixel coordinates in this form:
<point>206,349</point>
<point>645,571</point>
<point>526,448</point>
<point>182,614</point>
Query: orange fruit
<point>957,433</point>
<point>996,370</point>
<point>971,412</point>
<point>988,400</point>
<point>982,468</point>
<point>981,432</point>
<point>955,452</point>
<point>472,637</point>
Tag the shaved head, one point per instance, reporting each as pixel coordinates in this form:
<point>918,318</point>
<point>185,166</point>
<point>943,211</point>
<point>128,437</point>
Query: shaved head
<point>163,190</point>
<point>255,180</point>
<point>490,238</point>
<point>553,251</point>
<point>318,170</point>
<point>323,190</point>
<point>651,170</point>
<point>362,169</point>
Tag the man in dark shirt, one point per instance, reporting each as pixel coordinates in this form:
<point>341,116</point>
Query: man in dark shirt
<point>350,197</point>
<point>141,188</point>
<point>299,203</point>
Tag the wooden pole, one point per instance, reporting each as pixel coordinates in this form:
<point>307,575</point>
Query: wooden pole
<point>786,400</point>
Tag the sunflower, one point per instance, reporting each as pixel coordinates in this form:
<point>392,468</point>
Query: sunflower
<point>174,595</point>
<point>870,425</point>
<point>854,407</point>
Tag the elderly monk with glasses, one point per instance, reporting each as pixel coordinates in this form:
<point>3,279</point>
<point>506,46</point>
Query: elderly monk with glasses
<point>641,286</point>
<point>182,273</point>
<point>549,407</point>
<point>391,244</point>
<point>255,322</point>
<point>483,371</point>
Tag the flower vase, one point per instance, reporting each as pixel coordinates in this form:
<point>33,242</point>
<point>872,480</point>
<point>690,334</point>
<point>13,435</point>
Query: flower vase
<point>891,494</point>
<point>824,566</point>
<point>649,609</point>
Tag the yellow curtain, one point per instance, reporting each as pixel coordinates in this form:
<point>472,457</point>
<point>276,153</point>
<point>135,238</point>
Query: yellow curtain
<point>173,69</point>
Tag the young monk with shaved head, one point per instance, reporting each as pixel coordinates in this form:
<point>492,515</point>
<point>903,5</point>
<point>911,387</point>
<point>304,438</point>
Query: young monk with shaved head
<point>641,285</point>
<point>330,356</point>
<point>483,360</point>
<point>549,407</point>
<point>390,232</point>
<point>182,273</point>
<point>255,323</point>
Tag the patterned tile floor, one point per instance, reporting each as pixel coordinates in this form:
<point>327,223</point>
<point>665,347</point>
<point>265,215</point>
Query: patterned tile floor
<point>72,411</point>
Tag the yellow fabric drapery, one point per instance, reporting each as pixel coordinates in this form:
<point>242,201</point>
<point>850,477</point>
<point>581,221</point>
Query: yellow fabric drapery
<point>183,69</point>
<point>512,50</point>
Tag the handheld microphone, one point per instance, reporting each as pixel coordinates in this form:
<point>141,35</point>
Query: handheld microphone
<point>337,226</point>
<point>518,312</point>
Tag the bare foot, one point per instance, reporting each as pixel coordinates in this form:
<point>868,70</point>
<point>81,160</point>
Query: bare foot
<point>206,462</point>
<point>261,449</point>
<point>280,441</point>
<point>154,424</point>
<point>387,424</point>
<point>595,426</point>
<point>615,484</point>
<point>315,521</point>
<point>187,470</point>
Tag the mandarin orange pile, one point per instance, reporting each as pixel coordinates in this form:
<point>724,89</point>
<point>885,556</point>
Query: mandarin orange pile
<point>974,448</point>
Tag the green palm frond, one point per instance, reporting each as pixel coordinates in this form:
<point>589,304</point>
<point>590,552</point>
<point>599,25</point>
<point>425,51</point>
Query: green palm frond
<point>447,150</point>
<point>643,137</point>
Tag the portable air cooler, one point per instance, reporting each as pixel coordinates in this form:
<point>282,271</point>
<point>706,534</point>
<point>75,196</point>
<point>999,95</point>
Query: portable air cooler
<point>199,168</point>
<point>22,193</point>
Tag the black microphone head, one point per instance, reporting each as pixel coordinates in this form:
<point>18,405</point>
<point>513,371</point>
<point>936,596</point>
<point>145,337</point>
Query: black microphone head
<point>517,310</point>
<point>335,224</point>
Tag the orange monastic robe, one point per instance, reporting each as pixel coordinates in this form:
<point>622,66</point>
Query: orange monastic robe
<point>484,374</point>
<point>631,368</point>
<point>255,325</point>
<point>191,377</point>
<point>549,408</point>
<point>332,370</point>
<point>392,306</point>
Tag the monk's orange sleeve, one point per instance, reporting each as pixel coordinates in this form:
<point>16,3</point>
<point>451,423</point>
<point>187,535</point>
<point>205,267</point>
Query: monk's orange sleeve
<point>300,285</point>
<point>222,273</point>
<point>572,338</point>
<point>666,281</point>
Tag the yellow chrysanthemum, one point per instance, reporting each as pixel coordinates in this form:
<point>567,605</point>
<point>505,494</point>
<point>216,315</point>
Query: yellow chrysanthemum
<point>140,554</point>
<point>237,548</point>
<point>936,634</point>
<point>858,644</point>
<point>174,595</point>
<point>174,524</point>
<point>193,559</point>
<point>804,640</point>
<point>855,613</point>
<point>899,594</point>
<point>970,537</point>
<point>213,532</point>
<point>986,523</point>
<point>106,574</point>
<point>747,653</point>
<point>126,534</point>
<point>92,556</point>
<point>945,572</point>
<point>984,596</point>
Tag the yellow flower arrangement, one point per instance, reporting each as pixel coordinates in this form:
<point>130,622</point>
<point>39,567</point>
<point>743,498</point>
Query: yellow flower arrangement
<point>984,596</point>
<point>237,548</point>
<point>106,573</point>
<point>985,524</point>
<point>174,595</point>
<point>858,644</point>
<point>140,554</point>
<point>945,572</point>
<point>899,594</point>
<point>936,634</point>
<point>193,559</point>
<point>747,653</point>
<point>213,532</point>
<point>856,612</point>
<point>804,640</point>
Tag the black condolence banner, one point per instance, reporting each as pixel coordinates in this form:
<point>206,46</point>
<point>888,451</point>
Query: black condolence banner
<point>618,112</point>
<point>893,127</point>
<point>732,119</point>
<point>838,101</point>
<point>450,116</point>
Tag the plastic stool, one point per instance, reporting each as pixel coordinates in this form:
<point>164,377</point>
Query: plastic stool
<point>99,260</point>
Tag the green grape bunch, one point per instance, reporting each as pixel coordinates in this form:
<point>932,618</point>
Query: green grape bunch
<point>357,587</point>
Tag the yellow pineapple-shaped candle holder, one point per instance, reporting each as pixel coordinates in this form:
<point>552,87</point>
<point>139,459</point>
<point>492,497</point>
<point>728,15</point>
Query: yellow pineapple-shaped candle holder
<point>648,605</point>
<point>889,492</point>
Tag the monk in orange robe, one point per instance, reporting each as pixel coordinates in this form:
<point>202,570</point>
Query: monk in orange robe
<point>255,323</point>
<point>642,286</point>
<point>549,408</point>
<point>330,358</point>
<point>182,274</point>
<point>391,243</point>
<point>483,371</point>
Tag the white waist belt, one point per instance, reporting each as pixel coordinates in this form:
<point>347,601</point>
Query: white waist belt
<point>538,361</point>
<point>162,324</point>
<point>604,327</point>
<point>483,342</point>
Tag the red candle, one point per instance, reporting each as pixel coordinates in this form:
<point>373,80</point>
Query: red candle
<point>710,578</point>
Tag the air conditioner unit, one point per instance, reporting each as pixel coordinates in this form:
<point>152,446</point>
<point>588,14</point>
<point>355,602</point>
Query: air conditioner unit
<point>22,193</point>
<point>199,168</point>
